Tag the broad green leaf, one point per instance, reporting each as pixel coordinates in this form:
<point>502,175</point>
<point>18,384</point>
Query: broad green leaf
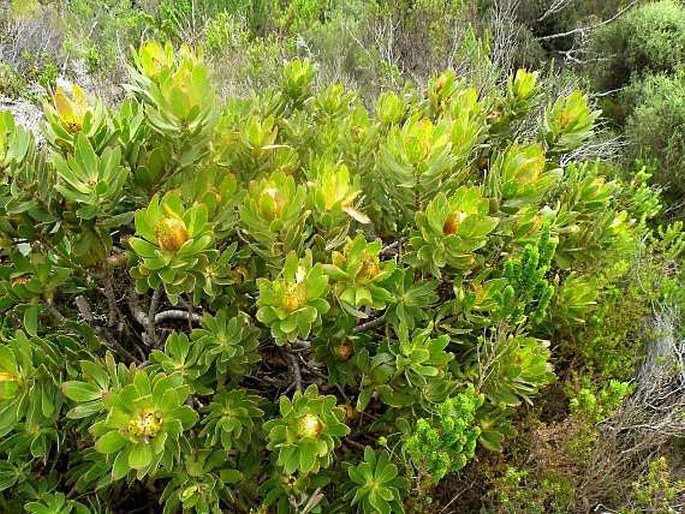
<point>81,391</point>
<point>31,319</point>
<point>111,442</point>
<point>140,456</point>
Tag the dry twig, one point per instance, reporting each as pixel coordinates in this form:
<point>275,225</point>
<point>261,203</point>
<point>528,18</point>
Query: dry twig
<point>294,368</point>
<point>150,327</point>
<point>177,315</point>
<point>589,28</point>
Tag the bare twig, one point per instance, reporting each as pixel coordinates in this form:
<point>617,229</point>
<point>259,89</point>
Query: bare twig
<point>364,327</point>
<point>265,379</point>
<point>117,345</point>
<point>84,308</point>
<point>505,33</point>
<point>55,313</point>
<point>603,146</point>
<point>569,56</point>
<point>108,291</point>
<point>102,332</point>
<point>313,501</point>
<point>312,369</point>
<point>607,93</point>
<point>135,309</point>
<point>354,444</point>
<point>388,249</point>
<point>556,6</point>
<point>390,246</point>
<point>116,260</point>
<point>150,328</point>
<point>588,28</point>
<point>178,315</point>
<point>294,368</point>
<point>299,346</point>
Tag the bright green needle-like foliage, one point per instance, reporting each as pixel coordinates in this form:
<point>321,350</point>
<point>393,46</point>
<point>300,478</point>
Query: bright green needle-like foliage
<point>447,442</point>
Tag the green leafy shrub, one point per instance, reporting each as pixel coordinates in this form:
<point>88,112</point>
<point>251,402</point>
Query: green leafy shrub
<point>173,245</point>
<point>232,419</point>
<point>307,432</point>
<point>657,491</point>
<point>655,127</point>
<point>12,84</point>
<point>448,442</point>
<point>377,486</point>
<point>245,303</point>
<point>291,305</point>
<point>518,490</point>
<point>648,39</point>
<point>144,422</point>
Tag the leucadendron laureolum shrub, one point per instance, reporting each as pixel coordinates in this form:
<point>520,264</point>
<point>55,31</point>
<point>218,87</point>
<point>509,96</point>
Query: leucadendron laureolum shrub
<point>288,302</point>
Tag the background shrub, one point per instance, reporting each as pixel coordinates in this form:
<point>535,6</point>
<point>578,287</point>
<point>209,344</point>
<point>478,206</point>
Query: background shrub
<point>656,127</point>
<point>648,39</point>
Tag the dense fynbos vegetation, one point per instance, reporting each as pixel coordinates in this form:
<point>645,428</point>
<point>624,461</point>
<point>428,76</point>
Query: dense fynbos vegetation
<point>319,287</point>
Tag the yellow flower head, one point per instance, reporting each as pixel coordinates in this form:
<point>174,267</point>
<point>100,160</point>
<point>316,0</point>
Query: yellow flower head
<point>343,351</point>
<point>452,222</point>
<point>6,376</point>
<point>146,425</point>
<point>71,111</point>
<point>369,270</point>
<point>154,58</point>
<point>271,203</point>
<point>295,296</point>
<point>309,426</point>
<point>171,234</point>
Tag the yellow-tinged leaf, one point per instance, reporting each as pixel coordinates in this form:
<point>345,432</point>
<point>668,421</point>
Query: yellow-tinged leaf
<point>63,104</point>
<point>78,95</point>
<point>71,111</point>
<point>356,215</point>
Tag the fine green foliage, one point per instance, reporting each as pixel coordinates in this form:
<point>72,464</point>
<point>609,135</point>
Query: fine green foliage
<point>447,442</point>
<point>658,491</point>
<point>655,127</point>
<point>648,39</point>
<point>290,301</point>
<point>647,48</point>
